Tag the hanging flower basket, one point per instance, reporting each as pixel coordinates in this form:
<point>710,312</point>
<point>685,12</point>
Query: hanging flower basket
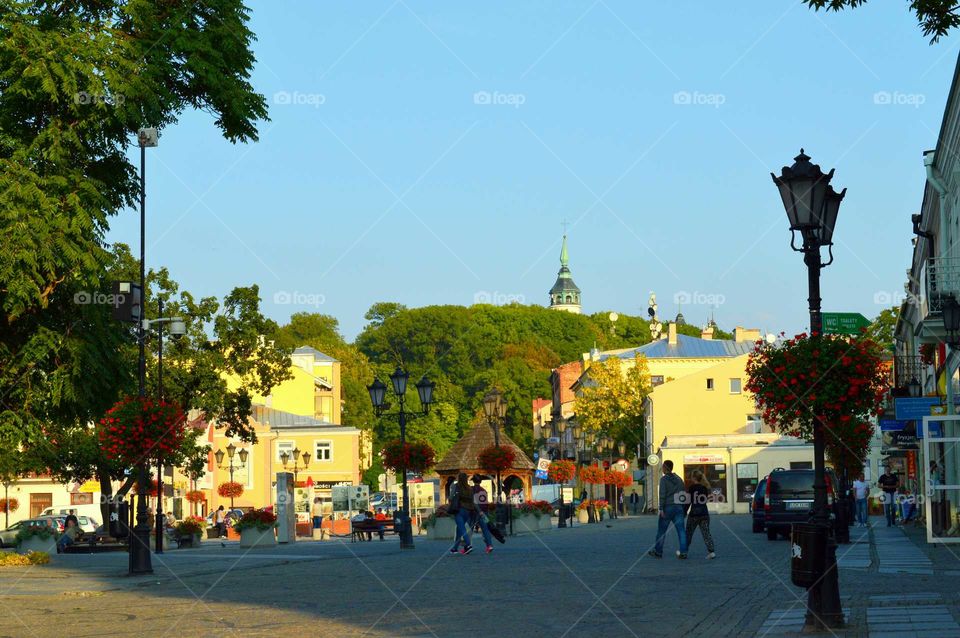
<point>152,489</point>
<point>9,505</point>
<point>617,479</point>
<point>195,496</point>
<point>847,445</point>
<point>562,471</point>
<point>230,489</point>
<point>496,459</point>
<point>591,474</point>
<point>829,376</point>
<point>138,429</point>
<point>413,457</point>
<point>928,353</point>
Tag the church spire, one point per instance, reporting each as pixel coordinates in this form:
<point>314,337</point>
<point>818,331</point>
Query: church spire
<point>565,295</point>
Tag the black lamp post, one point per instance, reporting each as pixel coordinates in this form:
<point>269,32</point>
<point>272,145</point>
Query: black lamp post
<point>231,451</point>
<point>6,502</point>
<point>139,559</point>
<point>495,409</point>
<point>378,391</point>
<point>297,457</point>
<point>561,436</point>
<point>812,207</point>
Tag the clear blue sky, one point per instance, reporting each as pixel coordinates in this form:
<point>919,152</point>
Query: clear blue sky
<point>385,179</point>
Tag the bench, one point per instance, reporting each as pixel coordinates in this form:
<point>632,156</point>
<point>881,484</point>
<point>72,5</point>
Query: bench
<point>358,530</point>
<point>86,543</point>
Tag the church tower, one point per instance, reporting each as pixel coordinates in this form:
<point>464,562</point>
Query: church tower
<point>565,295</point>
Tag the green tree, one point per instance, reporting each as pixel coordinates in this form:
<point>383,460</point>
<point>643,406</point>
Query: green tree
<point>936,17</point>
<point>883,328</point>
<point>612,399</point>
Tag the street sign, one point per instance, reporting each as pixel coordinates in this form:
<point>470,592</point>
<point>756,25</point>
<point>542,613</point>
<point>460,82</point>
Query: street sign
<point>844,323</point>
<point>892,425</point>
<point>915,408</point>
<point>653,459</point>
<point>543,466</point>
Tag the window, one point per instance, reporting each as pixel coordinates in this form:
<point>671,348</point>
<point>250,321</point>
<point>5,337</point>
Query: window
<point>734,386</point>
<point>285,446</point>
<point>709,384</point>
<point>81,498</point>
<point>323,450</point>
<point>656,380</point>
<point>747,476</point>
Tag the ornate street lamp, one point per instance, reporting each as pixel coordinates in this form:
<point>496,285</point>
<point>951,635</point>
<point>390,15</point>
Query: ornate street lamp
<point>812,207</point>
<point>913,386</point>
<point>231,452</point>
<point>951,320</point>
<point>378,391</point>
<point>495,408</point>
<point>297,456</point>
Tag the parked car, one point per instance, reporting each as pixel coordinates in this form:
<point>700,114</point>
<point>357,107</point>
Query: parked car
<point>8,537</point>
<point>384,500</point>
<point>788,499</point>
<point>756,506</point>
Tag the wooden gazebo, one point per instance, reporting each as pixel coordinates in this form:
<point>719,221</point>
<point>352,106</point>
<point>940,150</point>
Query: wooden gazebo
<point>462,457</point>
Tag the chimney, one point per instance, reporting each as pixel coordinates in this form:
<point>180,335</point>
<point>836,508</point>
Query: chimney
<point>672,334</point>
<point>742,335</point>
<point>707,333</point>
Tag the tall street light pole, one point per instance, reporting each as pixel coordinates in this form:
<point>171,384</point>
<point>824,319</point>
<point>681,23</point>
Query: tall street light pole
<point>495,408</point>
<point>297,456</point>
<point>139,559</point>
<point>812,207</point>
<point>378,391</point>
<point>561,426</point>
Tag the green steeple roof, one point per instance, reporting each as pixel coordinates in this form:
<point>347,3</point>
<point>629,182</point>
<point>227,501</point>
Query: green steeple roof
<point>564,284</point>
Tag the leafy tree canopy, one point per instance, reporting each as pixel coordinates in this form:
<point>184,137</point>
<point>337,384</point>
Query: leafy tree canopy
<point>936,17</point>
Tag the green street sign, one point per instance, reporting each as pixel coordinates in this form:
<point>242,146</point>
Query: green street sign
<point>844,323</point>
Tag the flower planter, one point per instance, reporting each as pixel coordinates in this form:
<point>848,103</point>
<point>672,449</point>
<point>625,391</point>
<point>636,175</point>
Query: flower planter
<point>197,539</point>
<point>546,523</point>
<point>37,544</point>
<point>253,537</point>
<point>525,523</point>
<point>583,517</point>
<point>232,534</point>
<point>444,529</point>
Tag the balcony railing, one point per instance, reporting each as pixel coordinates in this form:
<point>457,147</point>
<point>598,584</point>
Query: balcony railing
<point>943,280</point>
<point>905,368</point>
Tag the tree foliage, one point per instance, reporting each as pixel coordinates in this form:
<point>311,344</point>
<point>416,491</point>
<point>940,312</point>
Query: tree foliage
<point>936,17</point>
<point>611,402</point>
<point>883,328</point>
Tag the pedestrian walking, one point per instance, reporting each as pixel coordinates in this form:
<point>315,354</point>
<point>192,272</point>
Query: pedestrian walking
<point>620,503</point>
<point>699,516</point>
<point>889,482</point>
<point>481,499</point>
<point>634,502</point>
<point>462,502</point>
<point>672,498</point>
<point>316,511</point>
<point>220,522</point>
<point>861,490</point>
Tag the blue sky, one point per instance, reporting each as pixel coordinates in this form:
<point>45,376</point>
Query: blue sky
<point>427,153</point>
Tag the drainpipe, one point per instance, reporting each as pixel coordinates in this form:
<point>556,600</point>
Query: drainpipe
<point>731,478</point>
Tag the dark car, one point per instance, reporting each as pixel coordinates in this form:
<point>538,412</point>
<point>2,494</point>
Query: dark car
<point>788,499</point>
<point>756,506</point>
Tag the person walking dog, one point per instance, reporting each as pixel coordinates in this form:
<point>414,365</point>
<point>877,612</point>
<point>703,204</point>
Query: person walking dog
<point>672,498</point>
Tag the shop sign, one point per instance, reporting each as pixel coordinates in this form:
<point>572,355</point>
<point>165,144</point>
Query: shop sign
<point>912,465</point>
<point>915,408</point>
<point>702,459</point>
<point>892,425</point>
<point>904,440</point>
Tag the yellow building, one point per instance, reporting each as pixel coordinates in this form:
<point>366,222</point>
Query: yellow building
<point>303,414</point>
<point>700,416</point>
<point>333,458</point>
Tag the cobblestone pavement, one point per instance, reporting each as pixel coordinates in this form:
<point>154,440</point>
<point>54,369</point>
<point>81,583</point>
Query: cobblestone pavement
<point>591,580</point>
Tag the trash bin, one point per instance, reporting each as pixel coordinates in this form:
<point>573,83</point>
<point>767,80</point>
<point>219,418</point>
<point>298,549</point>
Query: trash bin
<point>808,557</point>
<point>118,526</point>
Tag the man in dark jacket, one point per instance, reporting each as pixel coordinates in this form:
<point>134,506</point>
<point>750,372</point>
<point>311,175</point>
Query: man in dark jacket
<point>673,496</point>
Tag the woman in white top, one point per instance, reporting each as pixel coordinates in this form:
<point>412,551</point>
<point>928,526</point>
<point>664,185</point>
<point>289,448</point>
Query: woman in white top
<point>861,490</point>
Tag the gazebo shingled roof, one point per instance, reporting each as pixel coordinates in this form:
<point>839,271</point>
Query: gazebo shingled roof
<point>463,454</point>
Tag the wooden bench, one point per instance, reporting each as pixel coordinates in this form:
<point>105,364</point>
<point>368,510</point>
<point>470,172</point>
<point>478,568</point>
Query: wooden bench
<point>358,530</point>
<point>86,543</point>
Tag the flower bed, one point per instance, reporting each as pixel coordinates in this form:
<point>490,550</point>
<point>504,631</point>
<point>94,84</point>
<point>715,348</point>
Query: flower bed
<point>256,528</point>
<point>535,508</point>
<point>191,526</point>
<point>9,559</point>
